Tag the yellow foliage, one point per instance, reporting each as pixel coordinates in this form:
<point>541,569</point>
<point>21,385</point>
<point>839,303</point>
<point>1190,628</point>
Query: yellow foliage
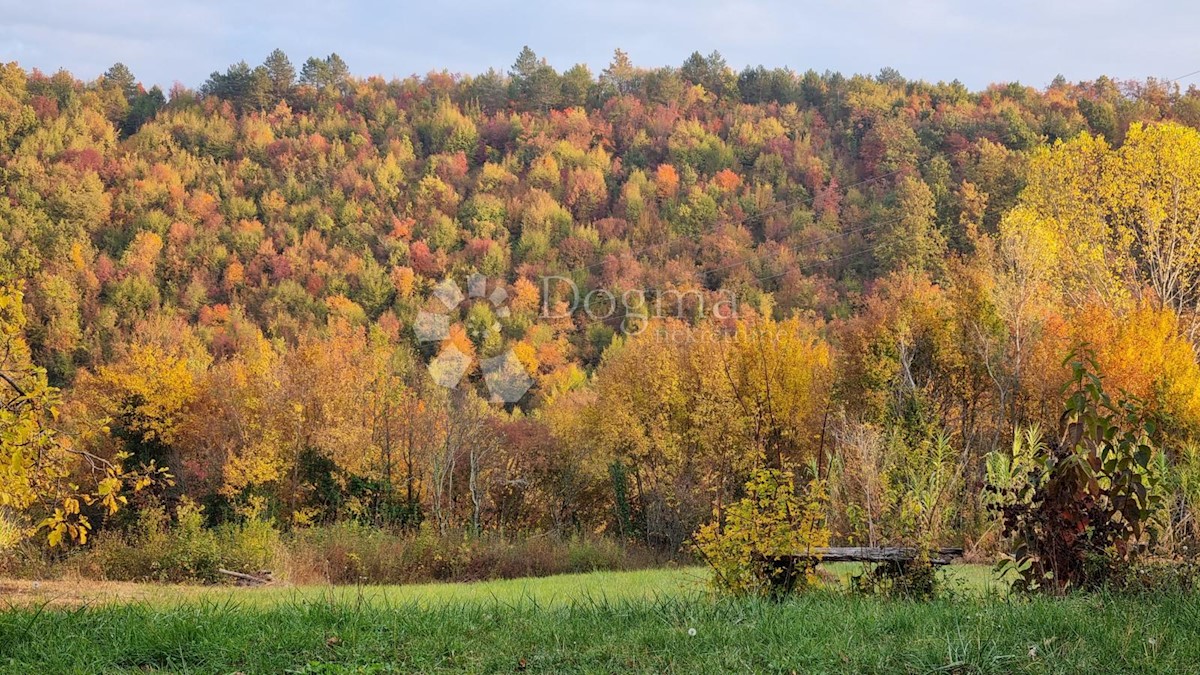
<point>1124,219</point>
<point>695,406</point>
<point>525,296</point>
<point>527,355</point>
<point>150,388</point>
<point>404,279</point>
<point>544,173</point>
<point>747,552</point>
<point>1144,354</point>
<point>40,471</point>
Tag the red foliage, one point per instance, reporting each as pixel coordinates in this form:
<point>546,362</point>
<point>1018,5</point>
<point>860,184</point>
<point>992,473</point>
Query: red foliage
<point>44,107</point>
<point>422,260</point>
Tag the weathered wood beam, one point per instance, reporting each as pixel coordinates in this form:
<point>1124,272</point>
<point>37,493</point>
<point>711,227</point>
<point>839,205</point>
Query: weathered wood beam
<point>248,578</point>
<point>877,554</point>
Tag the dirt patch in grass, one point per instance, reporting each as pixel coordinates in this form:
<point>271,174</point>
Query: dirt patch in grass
<point>78,592</point>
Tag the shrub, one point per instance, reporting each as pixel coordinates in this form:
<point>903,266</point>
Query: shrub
<point>1182,485</point>
<point>156,550</point>
<point>1080,507</point>
<point>754,552</point>
<point>353,553</point>
<point>1156,576</point>
<point>915,579</point>
<point>918,491</point>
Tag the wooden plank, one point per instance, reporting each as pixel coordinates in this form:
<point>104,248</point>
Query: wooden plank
<point>876,554</point>
<point>247,578</point>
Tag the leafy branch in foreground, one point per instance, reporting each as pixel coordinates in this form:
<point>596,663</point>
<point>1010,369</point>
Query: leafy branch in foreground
<point>49,483</point>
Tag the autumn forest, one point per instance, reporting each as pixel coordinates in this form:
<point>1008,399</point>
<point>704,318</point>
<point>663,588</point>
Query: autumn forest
<point>215,305</point>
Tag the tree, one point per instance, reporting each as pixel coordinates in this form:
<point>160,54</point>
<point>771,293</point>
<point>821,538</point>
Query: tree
<point>779,374</point>
<point>890,77</point>
<point>910,238</point>
<point>689,412</point>
<point>1158,202</point>
<point>490,91</point>
<point>281,74</point>
<point>144,399</point>
<point>143,109</point>
<point>239,84</point>
<point>710,72</point>
<point>576,85</point>
<point>534,84</point>
<point>120,77</point>
<point>448,130</point>
<point>465,435</point>
<point>1124,219</point>
<point>1145,353</point>
<point>619,78</point>
<point>328,74</point>
<point>1066,192</point>
<point>1023,297</point>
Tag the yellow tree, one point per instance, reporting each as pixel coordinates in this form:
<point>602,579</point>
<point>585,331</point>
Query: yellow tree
<point>910,238</point>
<point>689,411</point>
<point>147,392</point>
<point>1006,297</point>
<point>639,425</point>
<point>1156,199</point>
<point>1125,219</point>
<point>241,428</point>
<point>1066,194</point>
<point>1144,354</point>
<point>779,375</point>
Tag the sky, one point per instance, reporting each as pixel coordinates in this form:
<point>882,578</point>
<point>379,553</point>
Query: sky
<point>977,42</point>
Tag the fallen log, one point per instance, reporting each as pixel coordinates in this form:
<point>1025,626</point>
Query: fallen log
<point>877,554</point>
<point>247,578</point>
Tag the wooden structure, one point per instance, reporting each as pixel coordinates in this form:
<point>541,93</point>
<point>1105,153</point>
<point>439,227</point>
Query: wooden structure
<point>876,554</point>
<point>783,571</point>
<point>261,579</point>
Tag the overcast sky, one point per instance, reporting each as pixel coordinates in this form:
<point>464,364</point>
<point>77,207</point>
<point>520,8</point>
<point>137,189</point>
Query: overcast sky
<point>977,42</point>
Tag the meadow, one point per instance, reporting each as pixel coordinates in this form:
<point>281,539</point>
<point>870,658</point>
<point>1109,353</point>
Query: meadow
<point>345,329</point>
<point>644,621</point>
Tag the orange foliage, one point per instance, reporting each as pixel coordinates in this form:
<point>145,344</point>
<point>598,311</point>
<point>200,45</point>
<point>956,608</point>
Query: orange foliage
<point>727,180</point>
<point>1144,354</point>
<point>666,179</point>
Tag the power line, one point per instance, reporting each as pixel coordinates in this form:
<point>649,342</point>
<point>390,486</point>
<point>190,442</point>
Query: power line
<point>782,249</point>
<point>1176,79</point>
<point>872,248</point>
<point>814,263</point>
<point>799,268</point>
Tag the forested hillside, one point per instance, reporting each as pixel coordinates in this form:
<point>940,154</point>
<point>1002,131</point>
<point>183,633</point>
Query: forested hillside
<point>871,280</point>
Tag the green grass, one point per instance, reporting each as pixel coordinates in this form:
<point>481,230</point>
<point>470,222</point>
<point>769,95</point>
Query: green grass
<point>605,622</point>
<point>562,589</point>
<point>542,592</point>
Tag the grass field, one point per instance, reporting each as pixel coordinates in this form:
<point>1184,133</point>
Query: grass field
<point>603,622</point>
<point>545,591</point>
